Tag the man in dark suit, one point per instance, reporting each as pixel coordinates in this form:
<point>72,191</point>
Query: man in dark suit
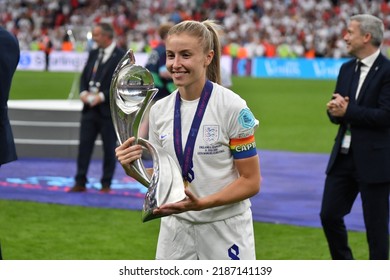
<point>360,159</point>
<point>9,58</point>
<point>96,119</point>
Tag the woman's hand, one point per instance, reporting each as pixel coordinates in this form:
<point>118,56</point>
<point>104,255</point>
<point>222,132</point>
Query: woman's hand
<point>190,203</point>
<point>127,152</point>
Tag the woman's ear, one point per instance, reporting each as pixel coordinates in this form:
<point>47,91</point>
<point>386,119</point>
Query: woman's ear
<point>209,58</point>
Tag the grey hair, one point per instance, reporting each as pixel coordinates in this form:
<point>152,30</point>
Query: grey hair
<point>371,24</point>
<point>107,29</point>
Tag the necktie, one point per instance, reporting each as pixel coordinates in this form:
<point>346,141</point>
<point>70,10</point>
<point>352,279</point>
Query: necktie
<point>97,63</point>
<point>355,80</point>
<point>100,56</point>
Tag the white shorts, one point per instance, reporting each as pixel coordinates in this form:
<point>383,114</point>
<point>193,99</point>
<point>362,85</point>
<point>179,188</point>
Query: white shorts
<point>230,239</point>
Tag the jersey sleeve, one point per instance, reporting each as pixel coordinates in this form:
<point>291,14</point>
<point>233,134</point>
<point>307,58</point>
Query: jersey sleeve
<point>242,128</point>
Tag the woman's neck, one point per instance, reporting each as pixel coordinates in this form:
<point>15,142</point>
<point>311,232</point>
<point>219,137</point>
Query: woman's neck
<point>192,92</point>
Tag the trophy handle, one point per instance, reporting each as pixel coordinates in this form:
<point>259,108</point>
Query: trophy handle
<point>166,184</point>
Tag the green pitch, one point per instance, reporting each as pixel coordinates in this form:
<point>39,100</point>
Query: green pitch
<point>292,118</point>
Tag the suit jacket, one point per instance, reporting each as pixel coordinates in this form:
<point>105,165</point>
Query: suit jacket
<point>104,76</point>
<point>9,58</point>
<point>369,119</point>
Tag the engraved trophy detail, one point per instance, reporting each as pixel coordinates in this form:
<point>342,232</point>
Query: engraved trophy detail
<point>132,90</point>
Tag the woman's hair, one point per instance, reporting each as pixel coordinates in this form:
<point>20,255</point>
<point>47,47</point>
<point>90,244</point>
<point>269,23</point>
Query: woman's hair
<point>207,32</point>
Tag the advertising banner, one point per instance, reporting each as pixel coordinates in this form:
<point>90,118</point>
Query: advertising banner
<point>299,68</point>
<point>34,61</point>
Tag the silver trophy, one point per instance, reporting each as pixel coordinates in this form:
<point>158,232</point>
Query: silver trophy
<point>132,90</point>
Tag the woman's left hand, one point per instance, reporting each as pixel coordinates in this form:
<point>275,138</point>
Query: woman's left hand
<point>190,203</point>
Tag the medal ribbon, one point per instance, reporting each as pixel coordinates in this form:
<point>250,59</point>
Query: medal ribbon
<point>185,159</point>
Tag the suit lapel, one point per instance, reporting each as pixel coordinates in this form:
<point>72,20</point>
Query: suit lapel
<point>349,72</point>
<point>370,75</point>
<point>113,54</point>
<point>106,64</point>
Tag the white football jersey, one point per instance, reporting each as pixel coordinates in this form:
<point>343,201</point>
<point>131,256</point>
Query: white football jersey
<point>225,133</point>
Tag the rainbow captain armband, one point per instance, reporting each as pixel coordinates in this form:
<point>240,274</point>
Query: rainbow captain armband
<point>243,147</point>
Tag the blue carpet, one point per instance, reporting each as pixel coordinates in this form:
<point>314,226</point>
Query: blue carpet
<point>290,193</point>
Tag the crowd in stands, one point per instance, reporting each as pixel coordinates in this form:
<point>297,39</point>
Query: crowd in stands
<point>253,28</point>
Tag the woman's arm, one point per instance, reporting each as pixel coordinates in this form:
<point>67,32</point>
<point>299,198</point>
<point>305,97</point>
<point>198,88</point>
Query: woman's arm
<point>245,186</point>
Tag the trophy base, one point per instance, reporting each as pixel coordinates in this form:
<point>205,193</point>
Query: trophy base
<point>148,216</point>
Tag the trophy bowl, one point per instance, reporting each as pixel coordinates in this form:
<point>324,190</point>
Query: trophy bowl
<point>131,92</point>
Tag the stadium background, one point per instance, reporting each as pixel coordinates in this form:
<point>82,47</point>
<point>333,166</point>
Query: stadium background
<point>259,35</point>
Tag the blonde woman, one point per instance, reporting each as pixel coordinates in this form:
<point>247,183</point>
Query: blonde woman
<point>209,131</point>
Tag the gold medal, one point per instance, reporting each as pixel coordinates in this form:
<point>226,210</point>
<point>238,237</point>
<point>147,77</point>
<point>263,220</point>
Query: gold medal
<point>186,183</point>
